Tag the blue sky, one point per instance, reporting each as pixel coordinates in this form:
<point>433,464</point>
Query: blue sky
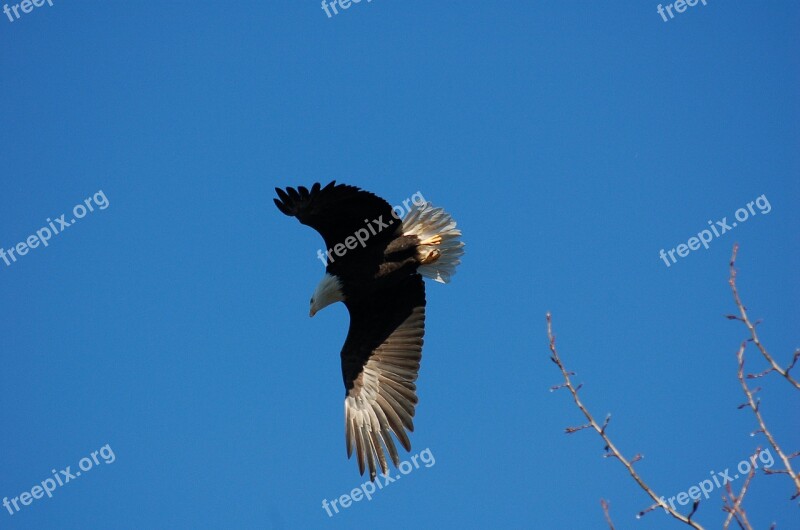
<point>571,141</point>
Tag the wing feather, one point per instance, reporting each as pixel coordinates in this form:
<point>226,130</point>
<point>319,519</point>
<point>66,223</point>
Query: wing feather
<point>380,363</point>
<point>338,211</point>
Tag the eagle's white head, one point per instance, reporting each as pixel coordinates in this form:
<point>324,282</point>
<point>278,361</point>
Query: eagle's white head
<point>328,291</point>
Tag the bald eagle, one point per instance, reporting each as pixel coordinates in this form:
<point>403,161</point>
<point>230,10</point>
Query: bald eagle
<point>375,266</point>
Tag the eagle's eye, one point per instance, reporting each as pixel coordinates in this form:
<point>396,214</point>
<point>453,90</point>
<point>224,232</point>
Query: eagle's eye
<point>311,301</point>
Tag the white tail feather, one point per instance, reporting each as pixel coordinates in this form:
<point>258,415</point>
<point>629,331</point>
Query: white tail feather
<point>436,230</point>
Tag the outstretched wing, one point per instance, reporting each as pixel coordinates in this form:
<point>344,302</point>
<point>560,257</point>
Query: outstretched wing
<point>380,362</point>
<point>339,211</point>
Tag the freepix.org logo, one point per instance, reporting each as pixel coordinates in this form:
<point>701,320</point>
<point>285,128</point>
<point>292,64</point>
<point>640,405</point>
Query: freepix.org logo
<point>332,7</point>
<point>716,229</point>
<point>679,6</point>
<point>706,487</point>
<point>373,227</point>
<point>60,478</point>
<point>26,6</point>
<point>54,227</point>
<point>367,489</point>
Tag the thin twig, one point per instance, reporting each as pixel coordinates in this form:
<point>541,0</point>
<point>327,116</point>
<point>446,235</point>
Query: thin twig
<point>601,430</point>
<point>754,406</point>
<point>750,326</point>
<point>604,504</point>
<point>733,504</point>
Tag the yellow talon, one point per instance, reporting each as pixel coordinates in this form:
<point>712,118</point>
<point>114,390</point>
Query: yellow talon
<point>432,256</point>
<point>433,240</point>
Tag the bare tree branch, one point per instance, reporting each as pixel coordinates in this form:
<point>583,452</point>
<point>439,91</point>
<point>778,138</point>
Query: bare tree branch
<point>604,504</point>
<point>610,447</point>
<point>754,406</point>
<point>752,327</point>
<point>733,503</point>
